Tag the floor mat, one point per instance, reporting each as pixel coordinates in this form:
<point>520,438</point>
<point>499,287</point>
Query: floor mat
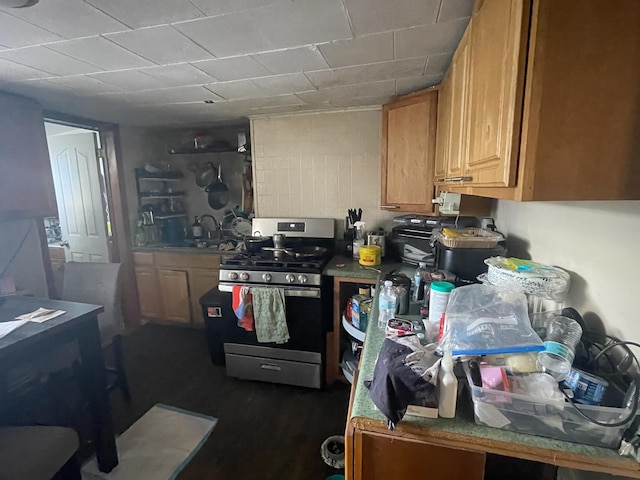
<point>157,446</point>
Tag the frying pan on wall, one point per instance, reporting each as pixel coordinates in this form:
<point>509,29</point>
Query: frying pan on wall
<point>218,193</point>
<point>206,177</point>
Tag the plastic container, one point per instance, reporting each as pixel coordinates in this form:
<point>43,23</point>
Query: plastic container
<point>370,255</point>
<point>563,334</point>
<point>467,237</point>
<point>358,240</point>
<point>439,294</point>
<point>387,301</point>
<point>547,418</point>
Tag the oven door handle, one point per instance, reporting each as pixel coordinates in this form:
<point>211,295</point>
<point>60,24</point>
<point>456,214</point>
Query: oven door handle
<point>288,291</point>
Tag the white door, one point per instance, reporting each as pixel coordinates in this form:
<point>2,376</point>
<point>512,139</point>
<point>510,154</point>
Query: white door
<point>76,179</point>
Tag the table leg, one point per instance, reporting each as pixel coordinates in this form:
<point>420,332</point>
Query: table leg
<point>95,384</point>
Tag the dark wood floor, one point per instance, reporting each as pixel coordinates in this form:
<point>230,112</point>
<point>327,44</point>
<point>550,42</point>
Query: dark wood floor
<point>264,431</point>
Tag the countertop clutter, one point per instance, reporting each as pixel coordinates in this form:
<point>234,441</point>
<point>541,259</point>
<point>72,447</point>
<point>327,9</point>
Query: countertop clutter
<point>374,446</point>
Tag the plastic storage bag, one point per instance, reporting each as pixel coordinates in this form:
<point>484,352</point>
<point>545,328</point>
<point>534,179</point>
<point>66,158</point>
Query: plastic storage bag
<point>483,320</point>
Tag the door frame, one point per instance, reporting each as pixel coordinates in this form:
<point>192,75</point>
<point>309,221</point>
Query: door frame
<point>120,246</point>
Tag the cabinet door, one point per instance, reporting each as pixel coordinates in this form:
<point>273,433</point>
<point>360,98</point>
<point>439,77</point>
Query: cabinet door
<point>201,280</point>
<point>408,152</point>
<point>444,128</point>
<point>175,295</point>
<point>149,296</point>
<point>496,79</point>
<point>459,121</point>
<point>26,183</point>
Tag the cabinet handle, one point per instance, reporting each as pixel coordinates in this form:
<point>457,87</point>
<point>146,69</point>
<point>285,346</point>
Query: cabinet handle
<point>389,206</point>
<point>270,366</point>
<point>458,179</point>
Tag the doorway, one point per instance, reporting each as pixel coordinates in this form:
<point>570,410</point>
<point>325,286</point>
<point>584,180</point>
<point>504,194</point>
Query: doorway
<point>82,231</point>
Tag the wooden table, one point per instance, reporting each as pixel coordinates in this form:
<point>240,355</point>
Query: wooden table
<point>79,324</point>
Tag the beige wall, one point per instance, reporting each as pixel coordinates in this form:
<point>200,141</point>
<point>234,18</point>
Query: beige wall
<point>27,268</point>
<point>319,165</point>
<point>597,242</point>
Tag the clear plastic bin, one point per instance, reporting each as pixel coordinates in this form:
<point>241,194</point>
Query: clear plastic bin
<point>467,237</point>
<point>559,420</point>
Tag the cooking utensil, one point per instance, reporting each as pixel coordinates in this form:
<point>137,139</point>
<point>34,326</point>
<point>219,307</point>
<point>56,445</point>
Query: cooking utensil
<point>299,252</point>
<point>206,177</point>
<point>241,227</point>
<point>255,244</point>
<point>218,193</point>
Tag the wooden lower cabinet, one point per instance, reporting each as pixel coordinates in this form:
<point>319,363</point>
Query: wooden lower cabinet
<point>175,295</point>
<point>149,297</point>
<point>170,285</point>
<point>383,457</point>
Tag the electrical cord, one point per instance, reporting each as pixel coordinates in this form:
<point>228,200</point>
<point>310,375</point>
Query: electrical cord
<point>634,385</point>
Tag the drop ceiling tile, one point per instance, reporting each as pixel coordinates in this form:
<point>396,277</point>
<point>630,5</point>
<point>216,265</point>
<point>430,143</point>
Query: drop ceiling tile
<point>236,90</point>
<point>15,33</point>
<point>144,13</point>
<point>359,50</point>
<point>220,7</point>
<point>76,85</point>
<point>360,102</point>
<point>226,35</point>
<point>294,60</point>
<point>14,72</point>
<point>411,84</point>
<point>367,73</point>
<point>367,89</point>
<point>68,18</point>
<point>272,101</point>
<point>172,95</point>
<point>48,61</point>
<point>452,9</point>
<point>283,84</point>
<point>293,24</point>
<point>235,68</point>
<point>100,52</point>
<point>438,64</point>
<point>129,80</point>
<point>161,45</point>
<point>178,75</point>
<point>373,16</point>
<point>429,39</point>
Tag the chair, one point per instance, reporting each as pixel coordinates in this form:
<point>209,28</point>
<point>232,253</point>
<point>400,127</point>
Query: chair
<point>38,453</point>
<point>99,284</point>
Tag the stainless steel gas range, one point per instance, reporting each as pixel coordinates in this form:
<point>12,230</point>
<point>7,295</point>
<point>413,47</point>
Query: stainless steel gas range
<point>305,247</point>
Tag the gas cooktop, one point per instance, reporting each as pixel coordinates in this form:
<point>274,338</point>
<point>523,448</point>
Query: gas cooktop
<point>268,261</point>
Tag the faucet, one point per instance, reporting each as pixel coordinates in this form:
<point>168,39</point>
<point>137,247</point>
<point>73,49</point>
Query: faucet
<point>218,226</point>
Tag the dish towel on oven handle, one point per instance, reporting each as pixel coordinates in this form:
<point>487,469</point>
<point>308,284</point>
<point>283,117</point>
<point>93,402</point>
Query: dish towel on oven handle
<point>241,302</point>
<point>270,315</point>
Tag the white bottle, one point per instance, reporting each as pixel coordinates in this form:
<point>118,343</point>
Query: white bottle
<point>358,240</point>
<point>447,387</point>
<point>387,301</point>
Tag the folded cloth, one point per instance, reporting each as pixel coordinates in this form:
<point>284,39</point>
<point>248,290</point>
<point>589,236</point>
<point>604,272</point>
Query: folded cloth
<point>41,315</point>
<point>406,374</point>
<point>270,316</point>
<point>241,302</point>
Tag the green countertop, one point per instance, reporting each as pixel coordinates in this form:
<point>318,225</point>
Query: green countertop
<point>464,429</point>
<point>341,266</point>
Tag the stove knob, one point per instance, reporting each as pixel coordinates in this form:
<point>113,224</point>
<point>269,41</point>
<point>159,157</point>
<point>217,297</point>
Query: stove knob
<point>303,279</point>
<point>290,278</point>
<point>233,275</point>
<point>266,277</point>
<point>244,276</point>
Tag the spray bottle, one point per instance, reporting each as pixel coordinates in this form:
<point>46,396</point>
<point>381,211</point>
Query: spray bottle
<point>358,239</point>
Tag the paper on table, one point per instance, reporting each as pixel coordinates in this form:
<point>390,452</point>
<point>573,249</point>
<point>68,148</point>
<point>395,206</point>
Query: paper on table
<point>40,315</point>
<point>7,327</point>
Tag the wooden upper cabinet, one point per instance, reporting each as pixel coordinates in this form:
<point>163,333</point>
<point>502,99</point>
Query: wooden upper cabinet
<point>444,129</point>
<point>408,152</point>
<point>458,142</point>
<point>26,183</point>
<point>552,101</point>
<point>498,42</point>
